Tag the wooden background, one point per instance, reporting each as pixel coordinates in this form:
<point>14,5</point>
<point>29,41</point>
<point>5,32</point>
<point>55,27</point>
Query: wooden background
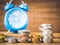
<point>40,11</point>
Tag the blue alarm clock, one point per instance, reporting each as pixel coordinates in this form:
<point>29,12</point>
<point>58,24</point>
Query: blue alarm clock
<point>16,17</point>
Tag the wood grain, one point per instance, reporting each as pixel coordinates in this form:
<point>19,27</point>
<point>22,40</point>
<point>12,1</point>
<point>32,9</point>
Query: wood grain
<point>56,36</point>
<point>31,44</point>
<point>40,11</point>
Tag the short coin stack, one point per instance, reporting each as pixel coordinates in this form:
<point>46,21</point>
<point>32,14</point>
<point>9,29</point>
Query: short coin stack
<point>24,36</point>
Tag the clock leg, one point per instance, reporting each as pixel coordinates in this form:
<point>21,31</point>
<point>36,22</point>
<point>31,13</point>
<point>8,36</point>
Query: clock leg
<point>8,31</point>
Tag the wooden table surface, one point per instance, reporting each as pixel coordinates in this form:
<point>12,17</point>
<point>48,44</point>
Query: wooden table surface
<point>30,44</point>
<point>56,42</point>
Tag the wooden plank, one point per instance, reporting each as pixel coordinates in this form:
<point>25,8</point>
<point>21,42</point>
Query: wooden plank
<point>31,44</point>
<point>55,35</point>
<point>40,11</point>
<point>56,38</point>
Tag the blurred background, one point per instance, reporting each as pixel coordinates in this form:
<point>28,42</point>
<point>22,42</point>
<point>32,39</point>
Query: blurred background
<point>40,12</point>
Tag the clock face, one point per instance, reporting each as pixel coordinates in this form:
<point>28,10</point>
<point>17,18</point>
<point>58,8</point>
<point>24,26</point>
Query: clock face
<point>16,19</point>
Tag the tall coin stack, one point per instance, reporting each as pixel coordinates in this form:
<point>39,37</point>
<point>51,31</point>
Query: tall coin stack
<point>47,33</point>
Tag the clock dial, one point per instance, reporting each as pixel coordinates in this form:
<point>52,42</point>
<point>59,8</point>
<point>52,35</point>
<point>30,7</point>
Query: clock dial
<point>17,19</point>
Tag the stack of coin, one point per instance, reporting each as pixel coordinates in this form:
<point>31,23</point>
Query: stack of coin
<point>11,40</point>
<point>23,32</point>
<point>2,37</point>
<point>47,33</point>
<point>24,35</point>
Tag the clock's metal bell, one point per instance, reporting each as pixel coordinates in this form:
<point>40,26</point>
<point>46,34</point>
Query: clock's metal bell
<point>16,17</point>
<point>24,6</point>
<point>8,6</point>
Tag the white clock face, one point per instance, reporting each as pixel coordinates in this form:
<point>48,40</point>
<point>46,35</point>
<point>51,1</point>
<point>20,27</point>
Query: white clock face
<point>18,19</point>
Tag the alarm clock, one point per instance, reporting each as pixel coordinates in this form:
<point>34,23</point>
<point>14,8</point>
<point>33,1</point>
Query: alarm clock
<point>16,17</point>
